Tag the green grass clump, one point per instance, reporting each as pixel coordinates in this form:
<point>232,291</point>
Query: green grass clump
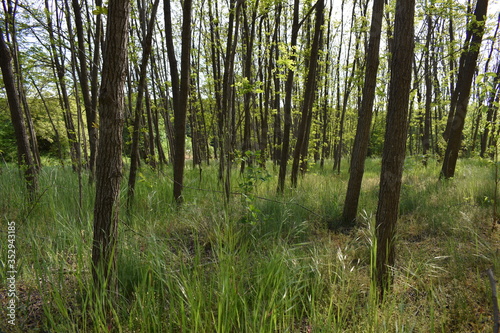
<point>262,263</point>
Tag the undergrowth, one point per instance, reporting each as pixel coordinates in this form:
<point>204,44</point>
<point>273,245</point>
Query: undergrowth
<point>265,263</point>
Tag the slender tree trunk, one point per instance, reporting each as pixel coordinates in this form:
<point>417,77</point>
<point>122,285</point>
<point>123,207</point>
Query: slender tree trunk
<point>248,37</point>
<point>395,143</point>
<point>338,123</point>
<point>309,93</point>
<point>151,158</point>
<point>227,106</point>
<point>492,108</point>
<point>426,137</point>
<point>58,63</point>
<point>134,158</point>
<point>90,110</point>
<point>288,100</point>
<point>468,64</point>
<point>492,95</point>
<point>348,86</point>
<point>265,101</point>
<point>156,119</point>
<point>25,157</point>
<point>277,131</point>
<point>52,123</point>
<point>94,82</point>
<point>109,159</point>
<point>362,138</point>
<point>217,77</point>
<point>180,89</point>
<point>325,142</point>
<point>11,30</point>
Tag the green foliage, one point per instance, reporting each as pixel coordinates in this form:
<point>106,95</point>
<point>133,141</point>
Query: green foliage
<point>100,10</point>
<point>253,175</point>
<point>8,145</point>
<point>376,145</point>
<point>44,130</point>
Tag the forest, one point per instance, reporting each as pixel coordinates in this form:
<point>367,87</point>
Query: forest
<point>249,166</point>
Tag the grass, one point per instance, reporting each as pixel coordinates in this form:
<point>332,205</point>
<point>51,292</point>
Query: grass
<point>259,265</point>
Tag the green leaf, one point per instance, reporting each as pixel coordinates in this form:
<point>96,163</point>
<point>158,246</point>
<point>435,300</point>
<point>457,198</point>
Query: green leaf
<point>100,10</point>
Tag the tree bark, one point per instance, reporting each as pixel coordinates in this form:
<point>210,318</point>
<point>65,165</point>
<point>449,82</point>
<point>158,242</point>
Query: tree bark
<point>468,62</point>
<point>362,138</point>
<point>395,143</point>
<point>288,100</point>
<point>227,114</point>
<point>426,135</point>
<point>492,109</point>
<point>492,95</point>
<point>109,160</point>
<point>309,93</point>
<point>248,38</point>
<point>180,89</point>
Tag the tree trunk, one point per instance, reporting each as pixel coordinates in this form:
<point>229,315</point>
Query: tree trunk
<point>277,132</point>
<point>490,128</point>
<point>134,158</point>
<point>426,135</point>
<point>94,79</point>
<point>288,100</point>
<point>309,93</point>
<point>10,22</point>
<point>180,89</point>
<point>468,62</point>
<point>151,158</point>
<point>248,38</point>
<point>51,120</point>
<point>227,120</point>
<point>109,159</point>
<point>395,143</point>
<point>25,157</point>
<point>492,95</point>
<point>59,68</point>
<point>362,138</point>
<point>325,142</point>
<point>90,110</point>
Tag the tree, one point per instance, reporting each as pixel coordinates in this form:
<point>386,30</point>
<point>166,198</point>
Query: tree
<point>109,159</point>
<point>248,39</point>
<point>460,100</point>
<point>362,138</point>
<point>58,59</point>
<point>394,143</point>
<point>288,100</point>
<point>180,90</point>
<point>309,93</point>
<point>86,88</point>
<point>11,35</point>
<point>349,85</point>
<point>146,52</point>
<point>426,135</point>
<point>25,157</point>
<point>227,111</point>
<point>492,103</point>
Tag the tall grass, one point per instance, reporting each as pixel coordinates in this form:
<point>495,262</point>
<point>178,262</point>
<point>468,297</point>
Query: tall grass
<point>265,263</point>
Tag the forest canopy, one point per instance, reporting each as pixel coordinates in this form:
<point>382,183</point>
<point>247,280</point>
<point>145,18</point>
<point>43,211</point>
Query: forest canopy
<point>53,51</point>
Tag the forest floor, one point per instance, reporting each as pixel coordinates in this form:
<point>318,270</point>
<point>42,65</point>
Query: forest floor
<point>262,263</point>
